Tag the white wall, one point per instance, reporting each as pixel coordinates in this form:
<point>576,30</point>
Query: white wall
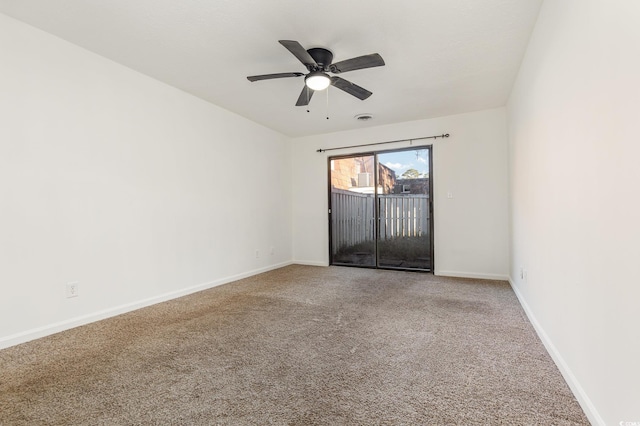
<point>137,191</point>
<point>471,229</point>
<point>573,153</point>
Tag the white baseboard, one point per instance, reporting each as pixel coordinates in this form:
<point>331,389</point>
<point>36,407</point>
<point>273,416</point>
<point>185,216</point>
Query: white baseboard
<point>310,263</point>
<point>49,329</point>
<point>476,275</point>
<point>584,400</point>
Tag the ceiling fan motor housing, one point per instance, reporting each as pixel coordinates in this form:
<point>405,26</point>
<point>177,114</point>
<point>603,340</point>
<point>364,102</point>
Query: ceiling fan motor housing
<point>323,58</point>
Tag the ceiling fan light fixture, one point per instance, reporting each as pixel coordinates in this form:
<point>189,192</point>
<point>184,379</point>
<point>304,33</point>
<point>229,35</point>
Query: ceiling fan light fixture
<point>317,80</point>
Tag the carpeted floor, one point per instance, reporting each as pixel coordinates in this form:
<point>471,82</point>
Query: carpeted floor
<point>299,345</point>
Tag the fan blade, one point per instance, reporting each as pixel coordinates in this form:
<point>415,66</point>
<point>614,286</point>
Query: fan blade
<point>350,88</point>
<point>270,76</point>
<point>305,96</point>
<point>366,61</point>
<point>298,51</point>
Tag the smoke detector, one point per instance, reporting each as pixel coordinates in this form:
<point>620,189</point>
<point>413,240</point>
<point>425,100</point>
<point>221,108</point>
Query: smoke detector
<point>364,117</point>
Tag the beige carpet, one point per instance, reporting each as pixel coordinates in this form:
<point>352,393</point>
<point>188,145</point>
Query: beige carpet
<point>299,345</point>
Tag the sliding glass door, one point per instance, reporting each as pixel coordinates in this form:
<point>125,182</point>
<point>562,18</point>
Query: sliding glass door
<point>380,209</point>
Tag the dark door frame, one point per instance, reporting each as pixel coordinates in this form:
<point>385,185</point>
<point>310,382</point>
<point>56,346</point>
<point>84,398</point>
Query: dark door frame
<point>376,206</point>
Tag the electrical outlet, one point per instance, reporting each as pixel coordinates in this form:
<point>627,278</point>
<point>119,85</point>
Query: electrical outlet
<point>257,254</point>
<point>523,273</point>
<point>272,250</point>
<point>72,289</point>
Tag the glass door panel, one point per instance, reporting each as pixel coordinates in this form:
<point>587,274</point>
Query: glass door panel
<point>353,211</point>
<point>404,237</point>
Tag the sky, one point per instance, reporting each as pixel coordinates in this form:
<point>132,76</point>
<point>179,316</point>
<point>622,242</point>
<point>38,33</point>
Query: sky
<point>402,161</point>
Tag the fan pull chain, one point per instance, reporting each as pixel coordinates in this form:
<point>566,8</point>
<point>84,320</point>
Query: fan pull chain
<point>327,103</point>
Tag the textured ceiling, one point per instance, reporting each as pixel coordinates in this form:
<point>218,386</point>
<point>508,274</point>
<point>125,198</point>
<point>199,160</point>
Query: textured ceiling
<point>442,56</point>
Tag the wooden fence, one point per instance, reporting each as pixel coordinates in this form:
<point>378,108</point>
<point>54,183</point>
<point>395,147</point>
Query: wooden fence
<point>352,217</point>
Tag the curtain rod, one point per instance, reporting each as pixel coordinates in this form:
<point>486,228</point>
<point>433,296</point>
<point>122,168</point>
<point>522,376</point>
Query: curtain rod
<point>444,135</point>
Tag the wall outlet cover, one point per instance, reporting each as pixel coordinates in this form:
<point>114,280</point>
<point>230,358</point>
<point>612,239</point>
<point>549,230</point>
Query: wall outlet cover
<point>72,289</point>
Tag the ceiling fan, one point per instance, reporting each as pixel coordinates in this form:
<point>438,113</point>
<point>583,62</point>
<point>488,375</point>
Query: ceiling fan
<point>318,62</point>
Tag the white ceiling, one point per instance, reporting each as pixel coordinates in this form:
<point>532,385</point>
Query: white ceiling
<point>442,57</point>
